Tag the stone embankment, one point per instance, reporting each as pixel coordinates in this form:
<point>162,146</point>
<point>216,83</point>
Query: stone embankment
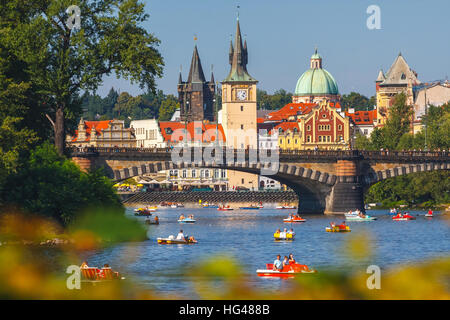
<point>212,197</point>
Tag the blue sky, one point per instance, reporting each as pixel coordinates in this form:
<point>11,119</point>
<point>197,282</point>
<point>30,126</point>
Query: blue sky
<point>282,35</point>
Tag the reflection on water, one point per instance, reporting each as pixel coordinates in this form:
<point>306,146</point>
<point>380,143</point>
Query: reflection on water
<point>247,235</point>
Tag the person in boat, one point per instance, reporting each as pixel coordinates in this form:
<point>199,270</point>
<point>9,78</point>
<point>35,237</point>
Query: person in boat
<point>181,217</point>
<point>156,219</point>
<point>430,212</point>
<point>342,226</point>
<point>332,224</point>
<point>285,261</point>
<point>277,264</point>
<point>284,233</point>
<point>180,235</point>
<point>291,231</point>
<point>278,231</point>
<point>291,258</point>
<point>192,239</point>
<point>84,265</point>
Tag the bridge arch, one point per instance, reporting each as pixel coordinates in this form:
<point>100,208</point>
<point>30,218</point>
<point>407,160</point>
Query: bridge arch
<point>376,176</point>
<point>311,186</point>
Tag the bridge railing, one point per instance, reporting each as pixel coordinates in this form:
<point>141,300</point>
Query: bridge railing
<point>288,153</point>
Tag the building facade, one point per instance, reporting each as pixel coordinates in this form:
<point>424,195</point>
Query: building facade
<point>400,78</point>
<point>109,133</point>
<point>148,134</point>
<point>239,98</point>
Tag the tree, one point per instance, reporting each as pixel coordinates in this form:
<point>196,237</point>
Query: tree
<point>62,60</point>
<point>398,123</point>
<point>168,107</point>
<point>275,101</point>
<point>53,186</point>
<point>357,101</point>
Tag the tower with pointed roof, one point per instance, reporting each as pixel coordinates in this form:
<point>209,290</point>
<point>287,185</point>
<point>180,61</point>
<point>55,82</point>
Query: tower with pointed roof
<point>399,78</point>
<point>239,97</point>
<point>196,95</point>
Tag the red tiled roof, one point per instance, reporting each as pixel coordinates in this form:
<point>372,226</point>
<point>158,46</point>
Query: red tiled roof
<point>289,110</point>
<point>363,117</point>
<point>290,125</point>
<point>208,131</point>
<point>99,126</point>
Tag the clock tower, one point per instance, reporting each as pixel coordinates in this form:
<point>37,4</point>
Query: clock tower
<point>239,99</point>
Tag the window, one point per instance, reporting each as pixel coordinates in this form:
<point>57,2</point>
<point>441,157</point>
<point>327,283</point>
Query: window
<point>202,173</point>
<point>242,108</point>
<point>324,115</point>
<point>340,127</point>
<point>184,173</point>
<point>224,173</point>
<point>216,173</point>
<point>320,138</point>
<point>308,138</point>
<point>328,138</point>
<point>308,127</point>
<point>242,181</point>
<point>295,141</point>
<point>366,131</point>
<point>206,173</point>
<point>289,141</point>
<point>193,173</point>
<point>242,127</point>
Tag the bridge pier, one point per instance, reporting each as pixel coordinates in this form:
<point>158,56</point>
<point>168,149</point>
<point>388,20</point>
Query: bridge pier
<point>347,194</point>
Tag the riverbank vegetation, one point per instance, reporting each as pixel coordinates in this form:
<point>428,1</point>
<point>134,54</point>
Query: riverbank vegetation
<point>45,66</point>
<point>426,189</point>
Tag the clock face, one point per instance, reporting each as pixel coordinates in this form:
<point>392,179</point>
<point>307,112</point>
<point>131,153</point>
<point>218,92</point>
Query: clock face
<point>242,94</point>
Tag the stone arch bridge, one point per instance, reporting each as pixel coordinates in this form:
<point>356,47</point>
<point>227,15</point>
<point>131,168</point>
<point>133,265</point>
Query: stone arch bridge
<point>330,182</point>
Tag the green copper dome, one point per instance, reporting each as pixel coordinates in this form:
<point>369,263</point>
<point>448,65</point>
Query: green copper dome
<point>316,82</point>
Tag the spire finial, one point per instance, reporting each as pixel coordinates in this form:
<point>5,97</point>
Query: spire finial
<point>237,8</point>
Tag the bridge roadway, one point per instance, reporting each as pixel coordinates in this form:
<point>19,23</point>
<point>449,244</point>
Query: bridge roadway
<point>326,181</point>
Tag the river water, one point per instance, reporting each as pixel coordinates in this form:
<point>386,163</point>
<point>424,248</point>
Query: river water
<point>247,236</point>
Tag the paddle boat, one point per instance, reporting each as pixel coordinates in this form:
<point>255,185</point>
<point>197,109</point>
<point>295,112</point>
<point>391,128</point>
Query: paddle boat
<point>358,216</point>
<point>393,211</point>
<point>284,236</point>
<point>288,271</point>
<point>94,274</point>
<point>224,208</point>
<point>429,214</point>
<point>173,240</point>
<point>286,207</point>
<point>338,228</point>
<point>189,219</point>
<point>294,219</point>
<point>252,207</point>
<point>404,217</point>
<point>144,211</point>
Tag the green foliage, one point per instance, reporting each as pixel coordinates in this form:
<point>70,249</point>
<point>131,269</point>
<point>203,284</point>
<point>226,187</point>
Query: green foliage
<point>273,102</point>
<point>168,107</point>
<point>417,188</point>
<point>55,187</point>
<point>60,62</point>
<point>357,101</point>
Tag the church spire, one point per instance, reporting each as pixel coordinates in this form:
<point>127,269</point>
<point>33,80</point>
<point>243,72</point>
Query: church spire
<point>196,72</point>
<point>238,59</point>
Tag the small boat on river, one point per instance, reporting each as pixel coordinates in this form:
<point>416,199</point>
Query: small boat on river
<point>251,207</point>
<point>338,228</point>
<point>288,271</point>
<point>144,211</point>
<point>294,219</point>
<point>403,217</point>
<point>358,216</point>
<point>173,240</point>
<point>286,207</point>
<point>288,236</point>
<point>224,208</point>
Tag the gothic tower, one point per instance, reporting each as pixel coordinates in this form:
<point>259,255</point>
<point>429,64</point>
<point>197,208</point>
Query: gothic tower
<point>239,98</point>
<point>196,94</point>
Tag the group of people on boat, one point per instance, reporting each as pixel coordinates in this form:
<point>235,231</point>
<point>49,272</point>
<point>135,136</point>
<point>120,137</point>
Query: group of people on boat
<point>181,236</point>
<point>400,215</point>
<point>341,226</point>
<point>357,213</point>
<point>285,232</point>
<point>278,264</point>
<point>182,217</point>
<point>105,273</point>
